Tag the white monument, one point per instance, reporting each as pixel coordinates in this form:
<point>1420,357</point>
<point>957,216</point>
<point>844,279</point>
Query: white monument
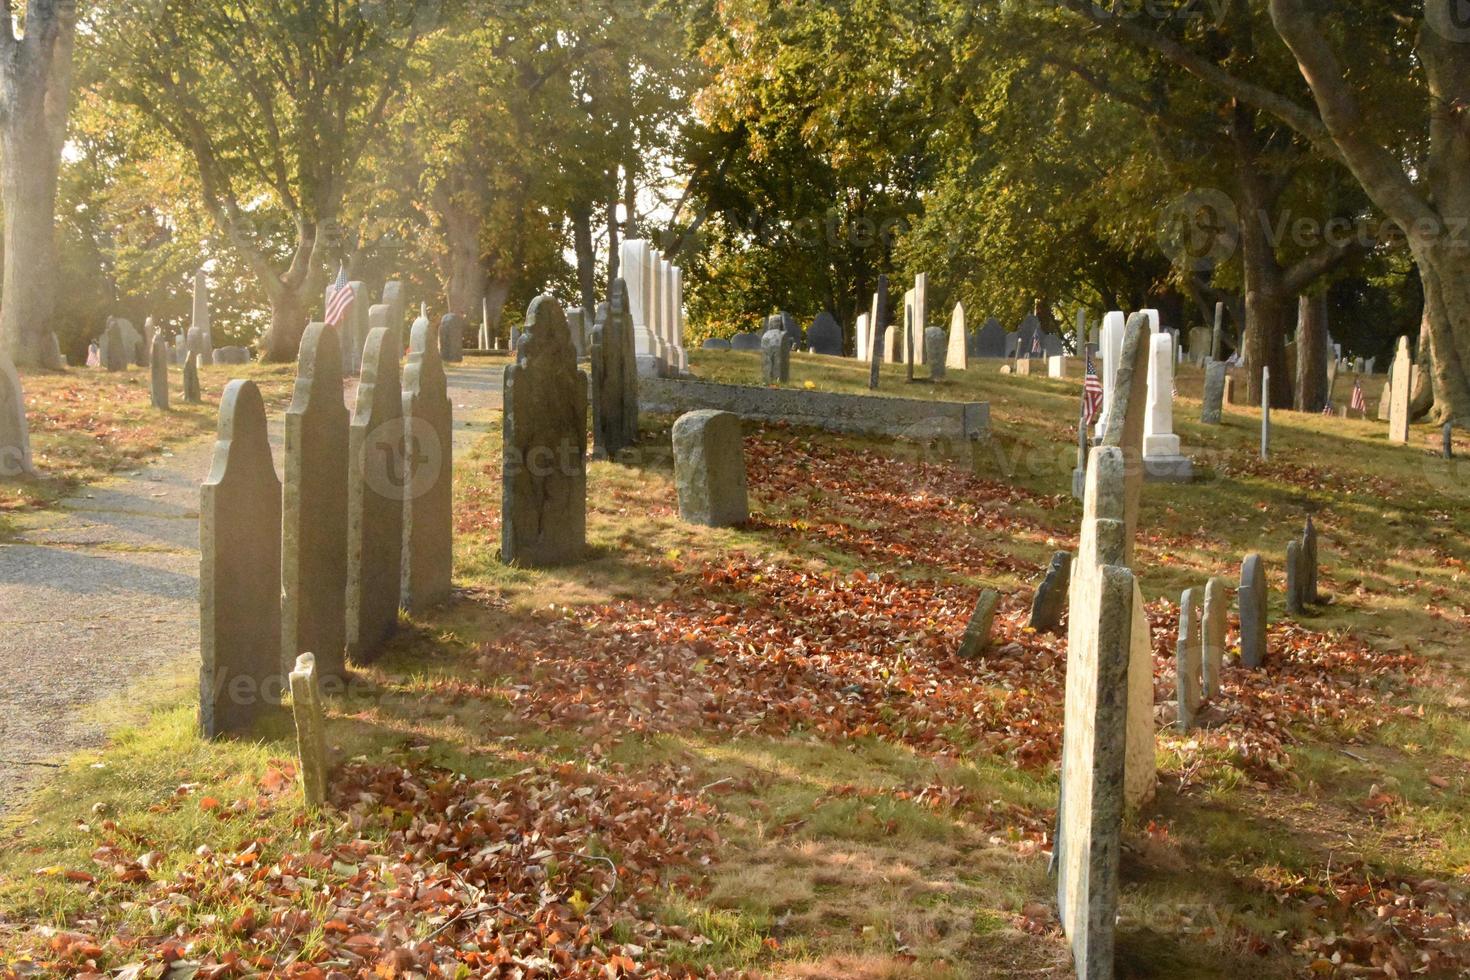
<point>1162,461</point>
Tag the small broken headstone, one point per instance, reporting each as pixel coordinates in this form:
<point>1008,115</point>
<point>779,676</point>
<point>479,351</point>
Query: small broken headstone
<point>193,394</point>
<point>311,736</point>
<point>775,353</point>
<point>936,352</point>
<point>1051,596</point>
<point>982,620</point>
<point>158,372</point>
<point>1187,660</point>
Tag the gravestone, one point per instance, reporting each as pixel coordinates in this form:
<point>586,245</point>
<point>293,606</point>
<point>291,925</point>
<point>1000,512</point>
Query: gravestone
<point>239,571</point>
<point>544,494</point>
<point>395,297</point>
<point>1397,394</point>
<point>863,334</point>
<point>1051,595</point>
<point>1252,599</point>
<point>1110,350</point>
<point>314,520</point>
<point>1212,654</point>
<point>1200,344</point>
<point>1051,345</point>
<point>745,341</point>
<point>825,335</point>
<point>977,633</point>
<point>15,439</point>
<point>936,345</point>
<point>1187,667</point>
<point>1230,390</point>
<point>881,332</point>
<point>1385,398</point>
<point>428,453</point>
<point>709,469</point>
<point>311,730</point>
<point>192,393</point>
<point>51,358</point>
<point>1309,562</point>
<point>1217,335</point>
<point>714,343</point>
<point>1026,334</point>
<point>200,335</point>
<point>149,332</point>
<point>231,355</point>
<point>1161,457</point>
<point>1058,366</point>
<point>991,340</point>
<point>775,353</point>
<point>115,355</point>
<point>790,327</point>
<point>1212,412</point>
<point>451,338</point>
<point>1295,576</point>
<point>1265,413</point>
<point>957,353</point>
<point>614,377</point>
<point>376,482</point>
<point>158,373</point>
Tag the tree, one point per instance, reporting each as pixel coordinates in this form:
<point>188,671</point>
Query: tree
<point>35,90</point>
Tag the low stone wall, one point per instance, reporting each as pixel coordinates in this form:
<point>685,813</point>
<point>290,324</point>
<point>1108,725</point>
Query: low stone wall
<point>873,415</point>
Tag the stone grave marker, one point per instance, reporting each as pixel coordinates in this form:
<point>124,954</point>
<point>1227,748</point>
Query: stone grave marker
<point>115,355</point>
<point>957,353</point>
<point>791,328</point>
<point>15,439</point>
<point>825,335</point>
<point>1051,595</point>
<point>193,395</point>
<point>1025,334</point>
<point>775,353</point>
<point>544,493</point>
<point>1252,599</point>
<point>1385,399</point>
<point>978,631</point>
<point>1161,457</point>
<point>239,571</point>
<point>158,373</point>
<point>709,468</point>
<point>428,453</point>
<point>231,355</point>
<point>1051,345</point>
<point>51,358</point>
<point>712,343</point>
<point>1212,652</point>
<point>311,734</point>
<point>614,377</point>
<point>1212,412</point>
<point>745,341</point>
<point>991,339</point>
<point>1187,656</point>
<point>1200,344</point>
<point>314,518</point>
<point>863,334</point>
<point>1265,413</point>
<point>1294,579</point>
<point>882,334</point>
<point>451,337</point>
<point>200,335</point>
<point>1397,394</point>
<point>395,297</point>
<point>376,483</point>
<point>936,346</point>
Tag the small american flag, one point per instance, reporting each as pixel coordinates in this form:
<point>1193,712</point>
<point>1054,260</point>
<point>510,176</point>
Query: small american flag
<point>342,298</point>
<point>1328,410</point>
<point>1092,393</point>
<point>1359,403</point>
<point>1036,345</point>
<point>94,356</point>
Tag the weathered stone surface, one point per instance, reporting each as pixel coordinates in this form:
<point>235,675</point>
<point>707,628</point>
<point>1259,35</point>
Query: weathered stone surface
<point>709,469</point>
<point>1397,394</point>
<point>1059,366</point>
<point>825,335</point>
<point>745,341</point>
<point>451,338</point>
<point>376,482</point>
<point>1265,413</point>
<point>115,353</point>
<point>1051,595</point>
<point>1310,592</point>
<point>231,355</point>
<point>1212,412</point>
<point>881,334</point>
<point>15,440</point>
<point>936,345</point>
<point>51,358</point>
<point>614,376</point>
<point>957,353</point>
<point>1201,343</point>
<point>193,395</point>
<point>715,343</point>
<point>311,734</point>
<point>1252,599</point>
<point>1217,606</point>
<point>775,353</point>
<point>544,495</point>
<point>239,570</point>
<point>314,518</point>
<point>1161,457</point>
<point>1110,350</point>
<point>977,638</point>
<point>200,319</point>
<point>428,520</point>
<point>1295,574</point>
<point>1125,423</point>
<point>990,341</point>
<point>1051,345</point>
<point>1187,655</point>
<point>1385,398</point>
<point>158,373</point>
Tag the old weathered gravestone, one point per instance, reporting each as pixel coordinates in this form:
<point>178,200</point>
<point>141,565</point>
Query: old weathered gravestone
<point>239,570</point>
<point>1212,652</point>
<point>451,338</point>
<point>936,346</point>
<point>115,354</point>
<point>1161,457</point>
<point>1200,344</point>
<point>614,376</point>
<point>200,335</point>
<point>775,353</point>
<point>1212,412</point>
<point>1026,335</point>
<point>709,469</point>
<point>991,339</point>
<point>1187,667</point>
<point>1295,575</point>
<point>825,335</point>
<point>881,333</point>
<point>314,518</point>
<point>51,358</point>
<point>1400,386</point>
<point>957,354</point>
<point>395,297</point>
<point>311,735</point>
<point>428,433</point>
<point>745,341</point>
<point>231,355</point>
<point>376,483</point>
<point>544,494</point>
<point>982,621</point>
<point>1051,595</point>
<point>193,395</point>
<point>711,343</point>
<point>1265,413</point>
<point>15,440</point>
<point>1252,599</point>
<point>158,372</point>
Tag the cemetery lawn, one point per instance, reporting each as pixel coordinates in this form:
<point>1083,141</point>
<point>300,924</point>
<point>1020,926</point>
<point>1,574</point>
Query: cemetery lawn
<point>86,425</point>
<point>720,751</point>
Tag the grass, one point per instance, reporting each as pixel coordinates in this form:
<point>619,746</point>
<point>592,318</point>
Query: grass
<point>882,853</point>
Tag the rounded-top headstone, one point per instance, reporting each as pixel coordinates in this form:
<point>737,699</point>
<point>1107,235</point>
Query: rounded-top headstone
<point>709,468</point>
<point>745,341</point>
<point>825,336</point>
<point>716,343</point>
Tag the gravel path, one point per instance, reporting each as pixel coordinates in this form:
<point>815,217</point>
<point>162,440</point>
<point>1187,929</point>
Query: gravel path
<point>101,594</point>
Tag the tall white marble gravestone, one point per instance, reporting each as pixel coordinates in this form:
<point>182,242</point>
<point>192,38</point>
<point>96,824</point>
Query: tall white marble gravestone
<point>1399,391</point>
<point>921,316</point>
<point>202,341</point>
<point>15,439</point>
<point>957,357</point>
<point>1265,413</point>
<point>681,354</point>
<point>636,262</point>
<point>1162,460</point>
<point>862,337</point>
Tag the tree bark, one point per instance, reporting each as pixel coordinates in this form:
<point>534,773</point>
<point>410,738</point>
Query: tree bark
<point>581,215</point>
<point>1311,353</point>
<point>464,275</point>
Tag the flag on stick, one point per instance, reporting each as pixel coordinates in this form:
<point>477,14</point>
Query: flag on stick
<point>1092,393</point>
<point>342,298</point>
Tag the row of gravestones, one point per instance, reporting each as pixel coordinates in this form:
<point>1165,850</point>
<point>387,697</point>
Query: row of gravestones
<point>287,569</point>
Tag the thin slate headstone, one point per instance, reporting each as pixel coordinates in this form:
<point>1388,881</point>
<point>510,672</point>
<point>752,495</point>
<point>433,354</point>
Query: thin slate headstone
<point>1295,576</point>
<point>991,339</point>
<point>1187,666</point>
<point>1051,345</point>
<point>51,358</point>
<point>936,346</point>
<point>709,469</point>
<point>1212,411</point>
<point>193,395</point>
<point>775,353</point>
<point>715,343</point>
<point>311,735</point>
<point>376,482</point>
<point>115,355</point>
<point>1217,338</point>
<point>982,621</point>
<point>314,518</point>
<point>825,335</point>
<point>745,341</point>
<point>200,324</point>
<point>428,452</point>
<point>1213,636</point>
<point>544,493</point>
<point>158,373</point>
<point>614,377</point>
<point>231,355</point>
<point>395,297</point>
<point>1051,595</point>
<point>1397,394</point>
<point>881,332</point>
<point>451,338</point>
<point>239,571</point>
<point>15,439</point>
<point>1252,599</point>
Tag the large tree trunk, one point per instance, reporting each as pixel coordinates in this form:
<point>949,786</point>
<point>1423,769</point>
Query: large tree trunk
<point>586,257</point>
<point>464,278</point>
<point>1311,354</point>
<point>497,292</point>
<point>282,342</point>
<point>1446,280</point>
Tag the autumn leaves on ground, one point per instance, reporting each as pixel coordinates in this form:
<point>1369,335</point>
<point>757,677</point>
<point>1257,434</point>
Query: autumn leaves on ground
<point>728,752</point>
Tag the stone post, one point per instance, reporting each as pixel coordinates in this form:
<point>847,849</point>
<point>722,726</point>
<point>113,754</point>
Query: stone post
<point>311,737</point>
